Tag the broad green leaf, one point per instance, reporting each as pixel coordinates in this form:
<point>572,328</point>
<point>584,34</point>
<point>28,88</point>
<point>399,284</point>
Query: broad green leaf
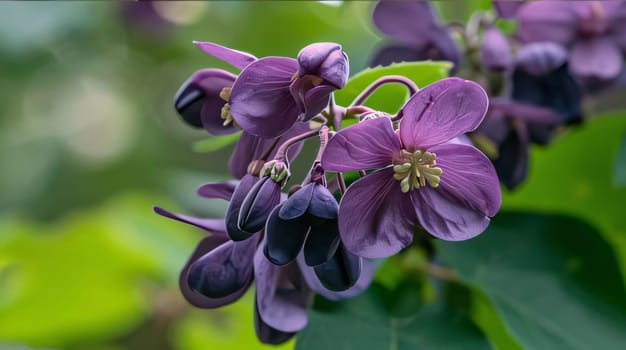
<point>619,173</point>
<point>390,97</point>
<point>215,143</point>
<point>553,280</point>
<point>367,322</point>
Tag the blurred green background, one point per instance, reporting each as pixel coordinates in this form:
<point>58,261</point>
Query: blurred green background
<point>89,142</point>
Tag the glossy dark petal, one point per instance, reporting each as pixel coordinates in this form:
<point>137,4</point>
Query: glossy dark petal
<point>323,204</point>
<point>212,225</point>
<point>393,53</point>
<point>540,58</point>
<point>512,163</point>
<point>365,279</point>
<point>298,203</point>
<point>265,333</point>
<point>221,190</point>
<point>232,214</point>
<point>205,246</point>
<point>282,295</point>
<point>321,243</point>
<point>341,272</point>
<point>284,238</point>
<point>263,197</point>
<point>223,271</point>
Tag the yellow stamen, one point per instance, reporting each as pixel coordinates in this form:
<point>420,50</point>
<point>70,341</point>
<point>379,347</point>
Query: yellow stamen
<point>416,170</point>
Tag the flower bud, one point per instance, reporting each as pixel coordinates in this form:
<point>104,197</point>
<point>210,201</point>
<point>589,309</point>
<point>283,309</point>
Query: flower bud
<point>495,51</point>
<point>324,60</point>
<point>540,58</point>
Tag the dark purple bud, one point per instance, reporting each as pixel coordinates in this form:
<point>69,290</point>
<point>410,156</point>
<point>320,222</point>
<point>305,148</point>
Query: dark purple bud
<point>540,58</point>
<point>263,197</point>
<point>511,161</point>
<point>210,225</point>
<point>223,271</point>
<point>201,100</point>
<point>282,295</point>
<point>314,199</point>
<point>495,50</point>
<point>365,278</point>
<point>341,272</point>
<point>326,61</point>
<point>321,243</point>
<point>284,238</point>
<point>235,232</point>
<point>265,333</point>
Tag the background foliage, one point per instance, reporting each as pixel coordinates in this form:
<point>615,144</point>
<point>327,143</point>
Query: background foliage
<point>89,141</point>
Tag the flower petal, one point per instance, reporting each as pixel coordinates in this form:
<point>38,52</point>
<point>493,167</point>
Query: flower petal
<point>495,51</point>
<point>223,271</point>
<point>260,100</point>
<point>442,111</point>
<point>263,197</point>
<point>408,22</point>
<point>216,226</point>
<point>506,8</point>
<point>393,53</point>
<point>298,203</point>
<point>282,296</point>
<point>284,238</point>
<point>232,214</point>
<point>323,203</point>
<point>265,333</point>
<point>221,190</point>
<point>468,177</point>
<point>321,242</point>
<point>369,144</point>
<point>205,246</point>
<point>446,219</point>
<point>512,162</point>
<point>311,100</point>
<point>376,219</point>
<point>325,60</point>
<point>599,57</point>
<point>235,58</point>
<point>341,272</point>
<point>554,21</point>
<point>365,279</point>
<point>212,82</point>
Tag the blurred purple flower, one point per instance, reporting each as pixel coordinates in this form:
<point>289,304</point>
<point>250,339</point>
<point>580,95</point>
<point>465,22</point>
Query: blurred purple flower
<point>449,189</point>
<point>507,8</point>
<point>595,32</point>
<point>272,93</point>
<point>495,51</point>
<point>415,31</point>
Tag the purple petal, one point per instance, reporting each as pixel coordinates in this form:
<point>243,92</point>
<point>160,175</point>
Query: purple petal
<point>554,21</point>
<point>468,177</point>
<point>267,334</point>
<point>600,58</point>
<point>282,296</point>
<point>249,148</point>
<point>212,81</point>
<point>298,203</point>
<point>495,51</point>
<point>365,278</point>
<point>541,58</point>
<point>216,226</point>
<point>221,190</point>
<point>444,218</point>
<point>408,22</point>
<point>325,60</point>
<point>507,8</point>
<point>311,100</point>
<point>263,197</point>
<point>341,272</point>
<point>235,58</point>
<point>323,203</point>
<point>321,243</point>
<point>260,100</point>
<point>442,47</point>
<point>369,144</point>
<point>393,53</point>
<point>232,214</point>
<point>284,238</point>
<point>442,111</point>
<point>523,111</point>
<point>223,271</point>
<point>206,245</point>
<point>376,219</point>
<point>512,162</point>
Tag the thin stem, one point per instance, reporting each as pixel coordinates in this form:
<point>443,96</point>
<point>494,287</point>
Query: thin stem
<point>323,142</point>
<point>342,183</point>
<point>410,85</point>
<point>281,153</point>
<point>336,117</point>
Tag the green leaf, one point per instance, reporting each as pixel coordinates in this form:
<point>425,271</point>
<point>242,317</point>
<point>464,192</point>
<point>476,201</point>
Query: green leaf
<point>390,97</point>
<point>619,173</point>
<point>215,143</point>
<point>366,322</point>
<point>552,279</point>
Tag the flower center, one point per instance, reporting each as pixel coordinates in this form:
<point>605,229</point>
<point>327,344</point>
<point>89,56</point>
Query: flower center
<point>416,169</point>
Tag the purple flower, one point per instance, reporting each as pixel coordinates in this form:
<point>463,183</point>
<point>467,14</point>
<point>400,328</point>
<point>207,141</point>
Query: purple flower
<point>507,8</point>
<point>495,51</point>
<point>416,32</point>
<point>593,30</point>
<point>200,100</point>
<point>449,189</point>
<point>272,93</point>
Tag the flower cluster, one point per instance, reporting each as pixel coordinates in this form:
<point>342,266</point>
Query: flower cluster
<point>537,77</point>
<point>417,175</point>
